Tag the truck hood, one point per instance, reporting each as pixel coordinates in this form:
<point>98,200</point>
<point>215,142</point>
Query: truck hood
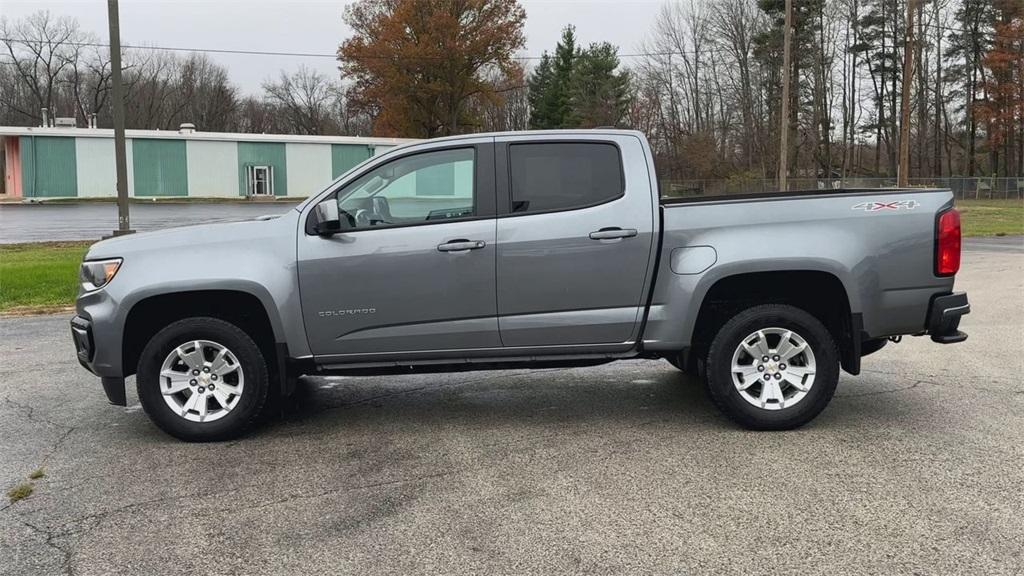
<point>245,234</point>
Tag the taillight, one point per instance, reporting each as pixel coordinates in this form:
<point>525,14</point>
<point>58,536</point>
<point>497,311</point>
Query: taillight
<point>947,243</point>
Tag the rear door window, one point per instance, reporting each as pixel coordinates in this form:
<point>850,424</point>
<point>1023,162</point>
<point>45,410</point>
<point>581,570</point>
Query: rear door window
<point>555,176</point>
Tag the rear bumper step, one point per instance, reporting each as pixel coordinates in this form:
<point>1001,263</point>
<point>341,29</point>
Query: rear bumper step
<point>944,318</point>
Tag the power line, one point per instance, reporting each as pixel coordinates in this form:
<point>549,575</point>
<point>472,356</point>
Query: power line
<point>332,56</point>
<point>179,49</point>
<point>385,57</point>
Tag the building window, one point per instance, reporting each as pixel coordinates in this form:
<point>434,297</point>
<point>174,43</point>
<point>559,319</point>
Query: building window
<point>260,180</point>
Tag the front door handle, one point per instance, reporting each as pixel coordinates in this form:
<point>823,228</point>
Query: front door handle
<point>461,245</point>
<point>613,233</point>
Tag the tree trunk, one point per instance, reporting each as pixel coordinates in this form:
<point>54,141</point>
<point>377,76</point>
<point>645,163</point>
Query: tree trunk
<point>939,103</point>
<point>903,172</point>
<point>784,124</point>
<point>922,91</point>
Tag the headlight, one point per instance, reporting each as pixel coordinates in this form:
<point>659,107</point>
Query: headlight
<point>95,274</point>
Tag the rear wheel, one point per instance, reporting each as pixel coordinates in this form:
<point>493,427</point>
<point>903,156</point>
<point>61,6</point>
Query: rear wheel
<point>772,367</point>
<point>202,379</point>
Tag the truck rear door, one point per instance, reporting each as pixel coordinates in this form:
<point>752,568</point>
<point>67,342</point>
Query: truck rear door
<point>575,234</point>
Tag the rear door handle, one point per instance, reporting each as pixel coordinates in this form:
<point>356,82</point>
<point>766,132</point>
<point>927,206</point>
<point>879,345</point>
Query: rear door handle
<point>461,245</point>
<point>613,233</point>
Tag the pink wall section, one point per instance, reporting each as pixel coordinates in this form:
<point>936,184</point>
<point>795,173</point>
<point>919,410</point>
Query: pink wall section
<point>12,158</point>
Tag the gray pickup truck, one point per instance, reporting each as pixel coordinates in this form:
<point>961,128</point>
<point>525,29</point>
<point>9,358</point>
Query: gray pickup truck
<point>519,250</point>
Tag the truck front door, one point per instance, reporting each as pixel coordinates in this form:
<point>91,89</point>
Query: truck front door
<point>575,237</point>
<point>415,270</point>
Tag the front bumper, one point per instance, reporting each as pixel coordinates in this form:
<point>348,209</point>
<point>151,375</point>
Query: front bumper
<point>81,334</point>
<point>944,317</point>
<point>85,349</point>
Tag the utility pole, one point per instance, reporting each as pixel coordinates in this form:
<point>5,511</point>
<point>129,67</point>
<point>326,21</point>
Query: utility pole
<point>117,103</point>
<point>903,171</point>
<point>787,40</point>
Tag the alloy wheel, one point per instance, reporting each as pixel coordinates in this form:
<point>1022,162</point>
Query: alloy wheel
<point>201,380</point>
<point>773,368</point>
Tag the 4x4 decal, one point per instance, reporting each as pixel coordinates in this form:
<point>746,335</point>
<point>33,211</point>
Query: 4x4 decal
<point>877,206</point>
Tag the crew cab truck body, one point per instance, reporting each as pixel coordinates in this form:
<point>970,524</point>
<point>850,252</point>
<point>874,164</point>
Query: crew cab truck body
<point>519,249</point>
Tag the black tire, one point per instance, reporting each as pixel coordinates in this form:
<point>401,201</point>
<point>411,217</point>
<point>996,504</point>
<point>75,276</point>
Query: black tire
<point>723,392</point>
<point>252,363</point>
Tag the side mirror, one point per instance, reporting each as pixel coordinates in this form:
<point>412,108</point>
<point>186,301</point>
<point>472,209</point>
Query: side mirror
<point>327,219</point>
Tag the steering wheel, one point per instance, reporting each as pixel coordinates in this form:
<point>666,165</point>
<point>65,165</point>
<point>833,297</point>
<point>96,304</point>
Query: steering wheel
<point>366,218</point>
<point>363,218</point>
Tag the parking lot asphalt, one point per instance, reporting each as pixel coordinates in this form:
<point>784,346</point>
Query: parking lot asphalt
<point>915,468</point>
<point>92,221</point>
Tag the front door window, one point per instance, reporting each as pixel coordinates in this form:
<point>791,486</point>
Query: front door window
<point>428,187</point>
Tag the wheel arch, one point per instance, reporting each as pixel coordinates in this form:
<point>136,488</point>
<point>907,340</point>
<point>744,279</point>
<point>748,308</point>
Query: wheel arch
<point>820,292</point>
<point>244,308</point>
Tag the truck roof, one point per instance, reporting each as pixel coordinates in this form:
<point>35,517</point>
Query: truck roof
<point>522,133</point>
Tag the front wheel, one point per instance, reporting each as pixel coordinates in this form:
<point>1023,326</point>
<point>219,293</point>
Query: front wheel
<point>202,379</point>
<point>772,367</point>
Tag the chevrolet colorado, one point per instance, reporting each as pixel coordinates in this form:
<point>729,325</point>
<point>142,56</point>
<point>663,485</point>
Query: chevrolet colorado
<point>519,249</point>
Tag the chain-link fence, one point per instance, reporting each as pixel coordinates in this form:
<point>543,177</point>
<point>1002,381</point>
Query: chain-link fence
<point>962,187</point>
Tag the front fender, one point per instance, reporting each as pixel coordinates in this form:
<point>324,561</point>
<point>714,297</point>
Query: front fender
<point>255,258</point>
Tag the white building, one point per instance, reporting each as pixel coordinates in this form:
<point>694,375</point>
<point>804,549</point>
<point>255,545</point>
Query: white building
<point>79,162</point>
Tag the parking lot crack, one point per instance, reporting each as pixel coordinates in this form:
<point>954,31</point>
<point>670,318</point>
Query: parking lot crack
<point>26,410</point>
<point>302,497</point>
<point>928,383</point>
<point>94,519</point>
<point>29,413</point>
<point>88,522</point>
<point>926,380</point>
<point>57,444</point>
<point>880,392</point>
<point>51,537</point>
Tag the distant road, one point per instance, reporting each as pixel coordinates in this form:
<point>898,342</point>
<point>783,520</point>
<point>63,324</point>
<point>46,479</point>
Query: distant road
<point>995,244</point>
<point>87,221</point>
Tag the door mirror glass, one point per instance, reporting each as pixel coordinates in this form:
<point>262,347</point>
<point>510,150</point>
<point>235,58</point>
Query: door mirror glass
<point>327,218</point>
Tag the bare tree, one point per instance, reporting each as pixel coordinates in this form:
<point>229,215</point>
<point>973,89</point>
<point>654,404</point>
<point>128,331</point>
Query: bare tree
<point>149,79</point>
<point>208,99</point>
<point>88,82</point>
<point>306,98</point>
<point>507,106</point>
<point>734,23</point>
<point>41,50</point>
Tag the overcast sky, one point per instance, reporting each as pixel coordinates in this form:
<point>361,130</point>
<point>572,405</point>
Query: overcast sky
<point>316,27</point>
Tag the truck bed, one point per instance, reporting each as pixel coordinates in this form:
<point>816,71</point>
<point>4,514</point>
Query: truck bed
<point>878,243</point>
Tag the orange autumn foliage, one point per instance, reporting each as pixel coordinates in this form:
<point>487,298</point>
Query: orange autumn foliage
<point>421,67</point>
<point>1003,108</point>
